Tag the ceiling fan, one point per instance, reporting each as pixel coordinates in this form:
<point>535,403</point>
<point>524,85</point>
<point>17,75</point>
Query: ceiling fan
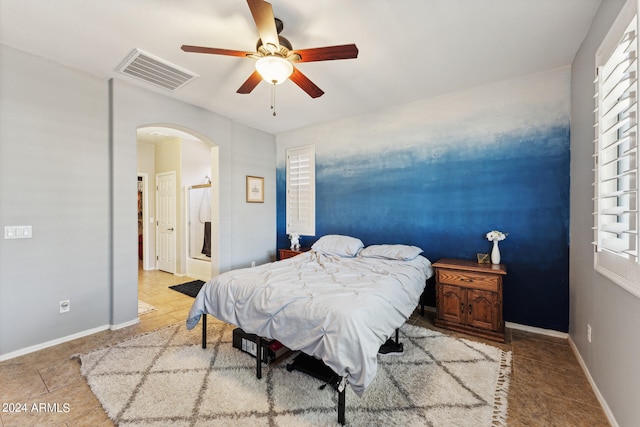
<point>275,54</point>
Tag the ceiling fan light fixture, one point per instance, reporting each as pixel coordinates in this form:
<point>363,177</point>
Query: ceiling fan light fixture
<point>274,69</point>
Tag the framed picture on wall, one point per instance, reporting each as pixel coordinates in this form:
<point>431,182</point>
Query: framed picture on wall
<point>255,189</point>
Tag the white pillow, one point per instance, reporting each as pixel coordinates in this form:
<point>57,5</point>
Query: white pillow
<point>335,244</point>
<point>399,252</point>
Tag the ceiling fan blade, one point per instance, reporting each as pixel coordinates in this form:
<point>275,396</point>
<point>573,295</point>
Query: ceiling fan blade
<point>305,84</point>
<point>250,83</point>
<point>345,51</point>
<point>215,51</point>
<point>265,23</point>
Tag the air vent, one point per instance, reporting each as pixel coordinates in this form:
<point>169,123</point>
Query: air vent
<point>144,66</point>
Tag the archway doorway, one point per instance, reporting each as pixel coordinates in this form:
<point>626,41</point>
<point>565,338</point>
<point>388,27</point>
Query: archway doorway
<point>193,157</point>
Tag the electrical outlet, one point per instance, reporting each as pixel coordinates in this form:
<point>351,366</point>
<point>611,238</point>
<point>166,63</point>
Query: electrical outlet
<point>588,332</point>
<point>65,306</point>
<point>253,263</point>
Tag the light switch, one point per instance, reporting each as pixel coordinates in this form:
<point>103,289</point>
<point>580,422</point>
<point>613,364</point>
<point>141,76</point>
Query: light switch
<point>9,232</point>
<point>17,231</point>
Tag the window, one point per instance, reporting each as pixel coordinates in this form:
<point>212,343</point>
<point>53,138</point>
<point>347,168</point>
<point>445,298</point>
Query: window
<point>301,190</point>
<point>616,153</point>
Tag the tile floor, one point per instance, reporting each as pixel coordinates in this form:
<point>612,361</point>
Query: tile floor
<point>548,387</point>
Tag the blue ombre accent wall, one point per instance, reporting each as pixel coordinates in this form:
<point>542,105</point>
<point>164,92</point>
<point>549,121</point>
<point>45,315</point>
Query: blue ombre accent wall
<point>441,173</point>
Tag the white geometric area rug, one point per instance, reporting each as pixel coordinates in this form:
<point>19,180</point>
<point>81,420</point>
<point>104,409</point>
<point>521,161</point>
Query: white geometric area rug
<point>144,308</point>
<point>165,378</point>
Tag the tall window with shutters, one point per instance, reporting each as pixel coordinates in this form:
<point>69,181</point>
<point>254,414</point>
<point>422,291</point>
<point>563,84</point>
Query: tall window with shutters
<point>616,153</point>
<point>301,190</point>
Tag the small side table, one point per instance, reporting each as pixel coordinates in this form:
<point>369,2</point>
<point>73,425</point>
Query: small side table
<point>469,297</point>
<point>289,253</point>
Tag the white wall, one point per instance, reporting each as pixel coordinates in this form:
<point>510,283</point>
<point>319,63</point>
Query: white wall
<point>54,175</point>
<point>246,145</point>
<point>68,164</point>
<point>613,356</point>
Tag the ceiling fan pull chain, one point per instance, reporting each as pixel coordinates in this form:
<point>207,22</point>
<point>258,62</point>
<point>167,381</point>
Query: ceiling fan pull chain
<point>273,98</point>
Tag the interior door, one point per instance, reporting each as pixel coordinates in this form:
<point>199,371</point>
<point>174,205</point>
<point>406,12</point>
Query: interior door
<point>166,221</point>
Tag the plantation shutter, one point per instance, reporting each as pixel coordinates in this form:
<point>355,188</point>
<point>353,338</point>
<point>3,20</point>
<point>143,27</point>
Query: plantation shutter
<point>616,153</point>
<point>301,199</point>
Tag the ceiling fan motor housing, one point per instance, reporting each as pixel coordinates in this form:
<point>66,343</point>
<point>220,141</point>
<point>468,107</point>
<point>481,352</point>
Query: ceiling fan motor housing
<point>283,43</point>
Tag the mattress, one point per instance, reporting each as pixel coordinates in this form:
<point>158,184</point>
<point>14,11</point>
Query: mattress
<point>338,309</point>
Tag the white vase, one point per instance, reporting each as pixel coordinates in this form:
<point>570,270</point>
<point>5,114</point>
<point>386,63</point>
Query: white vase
<point>495,253</point>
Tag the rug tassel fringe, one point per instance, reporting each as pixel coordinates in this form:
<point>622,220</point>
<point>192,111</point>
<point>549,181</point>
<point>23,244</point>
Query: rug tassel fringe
<point>501,397</point>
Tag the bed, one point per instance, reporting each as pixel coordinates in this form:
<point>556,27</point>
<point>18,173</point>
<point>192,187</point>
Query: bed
<point>338,302</point>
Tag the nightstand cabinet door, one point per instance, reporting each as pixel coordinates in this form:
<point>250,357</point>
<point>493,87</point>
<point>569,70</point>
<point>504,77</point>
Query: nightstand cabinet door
<point>483,309</point>
<point>451,303</point>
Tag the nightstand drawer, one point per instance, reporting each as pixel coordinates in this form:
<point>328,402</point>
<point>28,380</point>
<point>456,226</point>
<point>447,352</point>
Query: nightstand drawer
<point>290,253</point>
<point>466,279</point>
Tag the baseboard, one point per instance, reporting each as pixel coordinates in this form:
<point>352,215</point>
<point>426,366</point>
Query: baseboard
<point>594,386</point>
<point>533,329</point>
<point>125,324</point>
<point>518,326</point>
<point>51,343</point>
<point>67,338</point>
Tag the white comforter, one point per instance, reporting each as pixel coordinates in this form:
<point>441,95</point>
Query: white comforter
<point>337,309</point>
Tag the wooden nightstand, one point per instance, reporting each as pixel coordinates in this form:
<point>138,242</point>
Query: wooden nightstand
<point>289,253</point>
<point>469,297</point>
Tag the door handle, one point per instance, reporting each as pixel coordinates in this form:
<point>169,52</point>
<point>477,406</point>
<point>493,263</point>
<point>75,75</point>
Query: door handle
<point>170,229</point>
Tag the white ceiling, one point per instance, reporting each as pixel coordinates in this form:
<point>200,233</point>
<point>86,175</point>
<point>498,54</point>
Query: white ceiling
<point>408,49</point>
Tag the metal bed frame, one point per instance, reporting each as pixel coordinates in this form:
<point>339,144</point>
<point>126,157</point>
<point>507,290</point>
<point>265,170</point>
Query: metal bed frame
<point>341,392</point>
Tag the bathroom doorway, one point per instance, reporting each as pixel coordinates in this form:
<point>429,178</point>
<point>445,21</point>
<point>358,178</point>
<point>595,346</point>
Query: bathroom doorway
<point>198,232</point>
